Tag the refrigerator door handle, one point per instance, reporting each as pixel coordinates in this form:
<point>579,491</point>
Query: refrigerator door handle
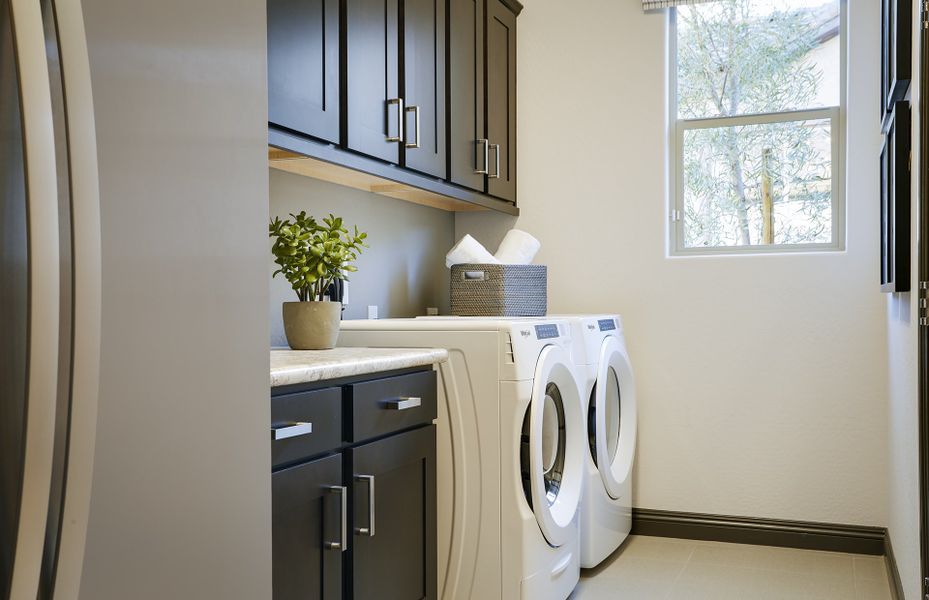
<point>42,328</point>
<point>87,269</point>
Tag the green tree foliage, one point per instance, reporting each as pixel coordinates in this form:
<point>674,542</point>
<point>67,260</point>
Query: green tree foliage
<point>312,255</point>
<point>738,57</point>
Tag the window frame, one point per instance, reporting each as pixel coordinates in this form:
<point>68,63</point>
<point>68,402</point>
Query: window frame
<point>835,114</point>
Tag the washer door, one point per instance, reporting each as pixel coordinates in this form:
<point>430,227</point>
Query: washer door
<point>554,432</point>
<point>614,413</point>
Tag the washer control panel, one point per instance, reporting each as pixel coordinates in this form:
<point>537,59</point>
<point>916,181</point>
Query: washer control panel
<point>607,324</point>
<point>547,331</point>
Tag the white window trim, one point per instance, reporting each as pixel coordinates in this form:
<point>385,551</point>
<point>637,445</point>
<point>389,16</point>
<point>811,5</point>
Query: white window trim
<point>837,116</point>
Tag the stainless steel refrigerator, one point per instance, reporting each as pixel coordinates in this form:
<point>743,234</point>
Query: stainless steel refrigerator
<point>134,460</point>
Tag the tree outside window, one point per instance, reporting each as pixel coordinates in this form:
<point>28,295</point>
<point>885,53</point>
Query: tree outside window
<point>757,126</point>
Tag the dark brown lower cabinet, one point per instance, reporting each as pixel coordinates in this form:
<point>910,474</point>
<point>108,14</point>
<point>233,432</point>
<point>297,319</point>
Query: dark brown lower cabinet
<point>307,530</point>
<point>356,518</point>
<point>394,550</point>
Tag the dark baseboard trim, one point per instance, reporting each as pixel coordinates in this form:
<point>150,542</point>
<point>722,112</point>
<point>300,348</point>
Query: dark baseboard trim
<point>893,573</point>
<point>764,532</point>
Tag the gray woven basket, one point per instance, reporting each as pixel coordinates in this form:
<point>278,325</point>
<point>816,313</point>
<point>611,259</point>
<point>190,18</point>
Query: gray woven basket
<point>485,290</point>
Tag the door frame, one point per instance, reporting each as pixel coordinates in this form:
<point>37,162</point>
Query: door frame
<point>922,329</point>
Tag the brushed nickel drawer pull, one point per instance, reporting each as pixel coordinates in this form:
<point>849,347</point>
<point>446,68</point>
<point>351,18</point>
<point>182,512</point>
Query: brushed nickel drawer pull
<point>415,111</point>
<point>342,544</point>
<point>398,102</point>
<point>369,530</point>
<point>496,149</point>
<point>292,430</point>
<point>486,144</point>
<point>403,403</point>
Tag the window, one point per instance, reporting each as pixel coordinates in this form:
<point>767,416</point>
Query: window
<point>757,91</point>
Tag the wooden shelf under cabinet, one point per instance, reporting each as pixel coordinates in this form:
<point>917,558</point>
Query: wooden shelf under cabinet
<point>445,197</point>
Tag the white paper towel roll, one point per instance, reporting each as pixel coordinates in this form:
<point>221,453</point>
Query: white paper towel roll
<point>517,248</point>
<point>469,250</point>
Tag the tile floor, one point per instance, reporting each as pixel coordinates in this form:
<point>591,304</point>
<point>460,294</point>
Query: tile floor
<point>651,568</point>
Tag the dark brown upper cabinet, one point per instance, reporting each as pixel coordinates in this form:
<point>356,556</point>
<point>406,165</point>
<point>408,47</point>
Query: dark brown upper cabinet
<point>395,93</point>
<point>424,93</point>
<point>467,139</point>
<point>374,108</point>
<point>303,66</point>
<point>482,115</point>
<point>420,95</point>
<point>501,100</point>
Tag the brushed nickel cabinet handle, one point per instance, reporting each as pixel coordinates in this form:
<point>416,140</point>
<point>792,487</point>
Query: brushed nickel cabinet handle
<point>369,530</point>
<point>342,544</point>
<point>292,430</point>
<point>486,144</point>
<point>398,102</point>
<point>403,403</point>
<point>496,149</point>
<point>415,111</point>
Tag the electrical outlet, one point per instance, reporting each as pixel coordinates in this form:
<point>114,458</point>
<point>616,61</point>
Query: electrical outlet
<point>372,311</point>
<point>432,311</point>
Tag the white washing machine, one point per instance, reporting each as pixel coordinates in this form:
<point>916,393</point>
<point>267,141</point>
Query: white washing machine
<point>609,409</point>
<point>511,444</point>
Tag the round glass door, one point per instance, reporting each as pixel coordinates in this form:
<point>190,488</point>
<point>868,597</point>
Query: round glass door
<point>553,441</point>
<point>612,413</point>
<point>612,417</point>
<point>550,446</point>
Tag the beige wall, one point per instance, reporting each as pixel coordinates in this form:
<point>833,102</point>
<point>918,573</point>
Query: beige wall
<point>762,380</point>
<point>903,429</point>
<point>403,271</point>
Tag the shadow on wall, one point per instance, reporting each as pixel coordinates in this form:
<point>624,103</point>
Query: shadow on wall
<point>402,272</point>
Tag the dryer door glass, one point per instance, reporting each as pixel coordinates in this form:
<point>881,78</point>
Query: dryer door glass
<point>606,403</point>
<point>612,413</point>
<point>553,436</point>
<point>614,417</point>
<point>553,441</point>
<point>551,446</point>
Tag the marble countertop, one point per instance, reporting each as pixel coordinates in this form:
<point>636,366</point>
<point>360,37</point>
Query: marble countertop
<point>306,366</point>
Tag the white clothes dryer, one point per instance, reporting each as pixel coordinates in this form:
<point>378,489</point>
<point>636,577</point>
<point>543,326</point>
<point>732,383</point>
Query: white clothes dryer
<point>511,444</point>
<point>609,409</point>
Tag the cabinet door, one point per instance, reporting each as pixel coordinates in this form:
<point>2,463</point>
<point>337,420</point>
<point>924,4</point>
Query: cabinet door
<point>501,100</point>
<point>374,111</point>
<point>394,553</point>
<point>424,86</point>
<point>307,518</point>
<point>466,98</point>
<point>303,66</point>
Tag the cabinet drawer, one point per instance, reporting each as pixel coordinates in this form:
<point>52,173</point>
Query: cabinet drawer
<point>391,404</point>
<point>305,424</point>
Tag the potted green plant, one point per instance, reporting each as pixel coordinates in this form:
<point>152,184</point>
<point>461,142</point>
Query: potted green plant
<point>311,256</point>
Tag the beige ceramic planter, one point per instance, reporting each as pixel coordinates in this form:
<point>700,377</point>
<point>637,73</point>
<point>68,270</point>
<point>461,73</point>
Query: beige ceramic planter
<point>312,325</point>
